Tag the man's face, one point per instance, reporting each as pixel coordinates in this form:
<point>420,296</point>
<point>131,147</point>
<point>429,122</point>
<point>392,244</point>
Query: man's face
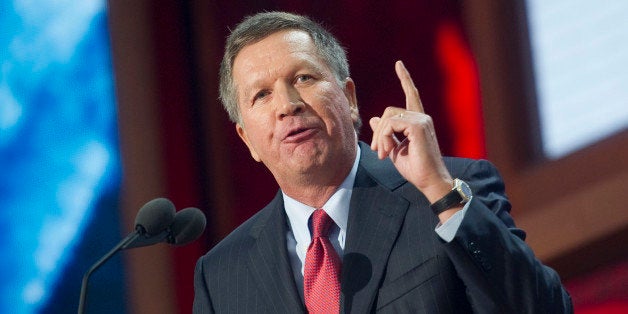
<point>295,117</point>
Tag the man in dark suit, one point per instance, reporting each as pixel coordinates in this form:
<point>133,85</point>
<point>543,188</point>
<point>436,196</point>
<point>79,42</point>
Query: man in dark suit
<point>407,230</point>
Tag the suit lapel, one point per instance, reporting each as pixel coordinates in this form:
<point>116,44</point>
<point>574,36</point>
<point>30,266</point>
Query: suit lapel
<point>375,219</point>
<point>269,261</point>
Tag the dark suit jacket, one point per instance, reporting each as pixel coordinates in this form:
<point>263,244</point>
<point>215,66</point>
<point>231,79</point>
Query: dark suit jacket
<point>394,262</point>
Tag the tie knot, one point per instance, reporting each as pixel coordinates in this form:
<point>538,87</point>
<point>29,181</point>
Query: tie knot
<point>321,223</point>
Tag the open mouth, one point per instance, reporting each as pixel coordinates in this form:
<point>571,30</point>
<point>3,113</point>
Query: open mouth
<point>297,131</point>
<point>300,134</point>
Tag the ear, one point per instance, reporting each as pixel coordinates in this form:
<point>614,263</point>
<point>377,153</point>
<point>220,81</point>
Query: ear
<point>353,99</point>
<point>244,137</point>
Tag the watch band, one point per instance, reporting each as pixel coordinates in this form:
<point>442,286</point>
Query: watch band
<point>448,201</point>
<point>460,194</point>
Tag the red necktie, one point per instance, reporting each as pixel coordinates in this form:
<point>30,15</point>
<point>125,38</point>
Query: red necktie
<point>321,276</point>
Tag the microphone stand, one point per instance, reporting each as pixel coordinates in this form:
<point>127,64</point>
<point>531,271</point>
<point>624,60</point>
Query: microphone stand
<point>129,239</point>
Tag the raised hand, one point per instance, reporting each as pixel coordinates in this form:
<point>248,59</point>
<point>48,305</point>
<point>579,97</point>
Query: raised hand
<point>416,155</point>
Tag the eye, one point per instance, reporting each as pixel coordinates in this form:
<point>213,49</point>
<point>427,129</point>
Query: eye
<point>261,94</point>
<point>304,78</point>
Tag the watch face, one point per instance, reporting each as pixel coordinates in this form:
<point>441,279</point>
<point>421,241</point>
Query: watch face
<point>464,189</point>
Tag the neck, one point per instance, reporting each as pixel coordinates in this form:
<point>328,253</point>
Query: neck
<point>314,186</point>
<point>315,196</point>
<point>313,189</point>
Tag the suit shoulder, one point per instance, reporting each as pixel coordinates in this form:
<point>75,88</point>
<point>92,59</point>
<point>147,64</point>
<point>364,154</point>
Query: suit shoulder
<point>464,167</point>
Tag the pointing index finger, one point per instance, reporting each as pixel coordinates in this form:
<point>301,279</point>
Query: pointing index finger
<point>413,101</point>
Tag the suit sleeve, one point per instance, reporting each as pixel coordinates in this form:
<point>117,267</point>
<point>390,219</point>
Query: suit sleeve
<point>499,269</point>
<point>202,301</point>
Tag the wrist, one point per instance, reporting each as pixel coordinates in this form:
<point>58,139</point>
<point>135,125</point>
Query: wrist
<point>438,191</point>
<point>459,194</point>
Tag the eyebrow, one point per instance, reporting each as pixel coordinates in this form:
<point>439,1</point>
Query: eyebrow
<point>317,68</point>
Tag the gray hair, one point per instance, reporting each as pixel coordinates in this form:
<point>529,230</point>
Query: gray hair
<point>259,26</point>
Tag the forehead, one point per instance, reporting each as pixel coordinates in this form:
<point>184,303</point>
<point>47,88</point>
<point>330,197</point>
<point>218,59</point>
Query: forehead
<point>274,53</point>
<point>290,40</point>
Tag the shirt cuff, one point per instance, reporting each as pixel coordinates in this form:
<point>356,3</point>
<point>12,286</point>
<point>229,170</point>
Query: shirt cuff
<point>447,231</point>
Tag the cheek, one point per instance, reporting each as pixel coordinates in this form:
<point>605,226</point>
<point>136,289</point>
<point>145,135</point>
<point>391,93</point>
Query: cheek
<point>260,130</point>
<point>339,108</point>
<point>334,100</point>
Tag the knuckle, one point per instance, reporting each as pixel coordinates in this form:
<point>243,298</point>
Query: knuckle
<point>390,110</point>
<point>426,121</point>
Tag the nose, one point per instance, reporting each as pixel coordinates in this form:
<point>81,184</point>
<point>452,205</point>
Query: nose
<point>289,101</point>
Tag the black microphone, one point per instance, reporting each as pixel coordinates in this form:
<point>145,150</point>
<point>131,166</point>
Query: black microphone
<point>154,216</point>
<point>152,219</point>
<point>188,225</point>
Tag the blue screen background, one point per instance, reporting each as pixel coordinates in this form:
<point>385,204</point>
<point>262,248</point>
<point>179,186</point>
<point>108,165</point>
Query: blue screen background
<point>59,156</point>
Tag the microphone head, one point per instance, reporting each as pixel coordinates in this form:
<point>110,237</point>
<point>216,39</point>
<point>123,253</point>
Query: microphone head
<point>188,225</point>
<point>155,216</point>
